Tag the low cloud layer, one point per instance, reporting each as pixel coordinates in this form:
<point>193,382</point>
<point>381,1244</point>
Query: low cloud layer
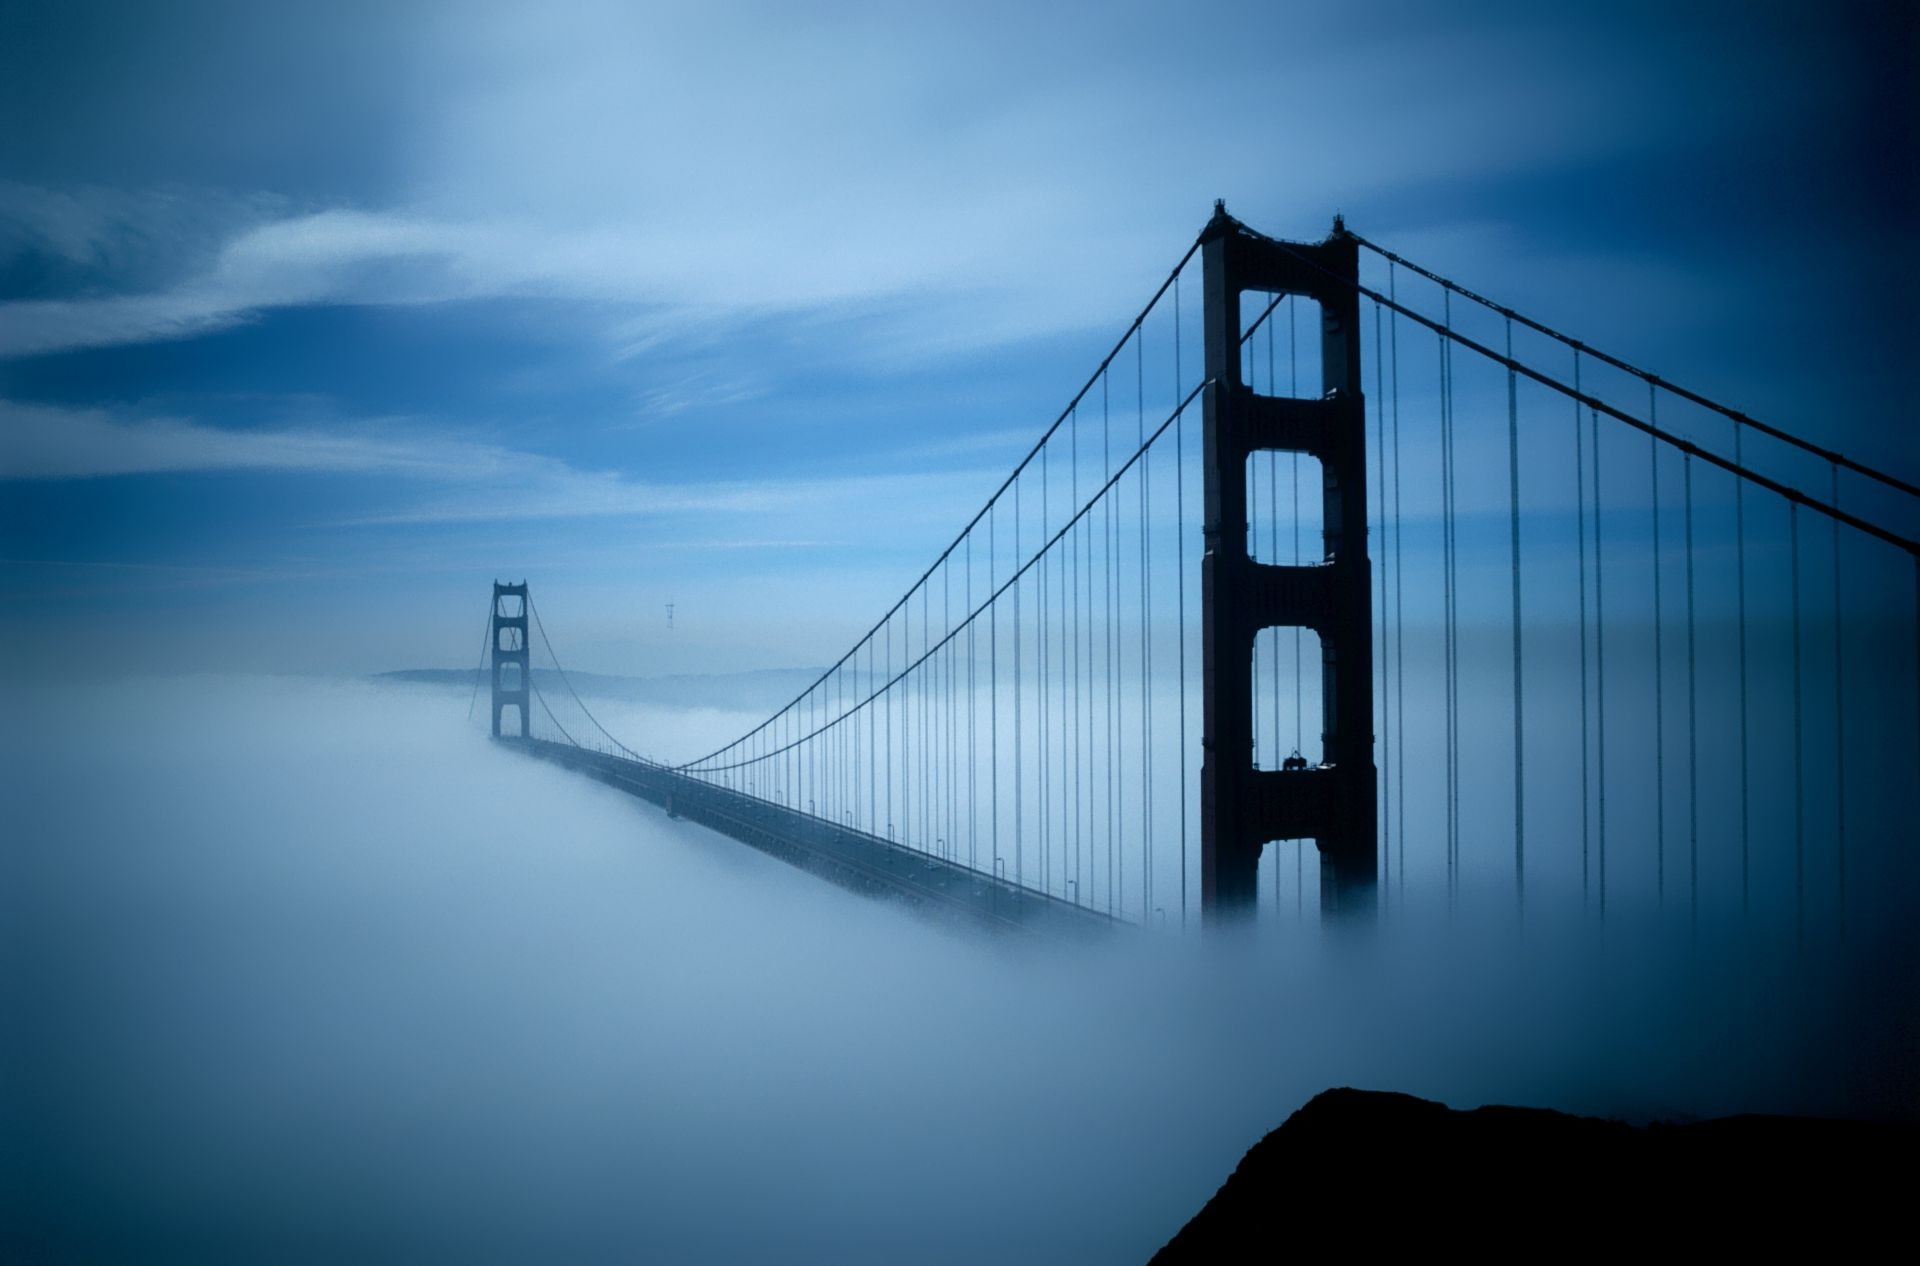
<point>329,973</point>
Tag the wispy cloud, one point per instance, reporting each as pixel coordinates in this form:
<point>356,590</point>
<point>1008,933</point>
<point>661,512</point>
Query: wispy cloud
<point>1000,165</point>
<point>468,481</point>
<point>43,443</point>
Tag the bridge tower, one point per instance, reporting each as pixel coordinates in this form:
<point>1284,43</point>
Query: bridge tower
<point>512,684</point>
<point>1242,808</point>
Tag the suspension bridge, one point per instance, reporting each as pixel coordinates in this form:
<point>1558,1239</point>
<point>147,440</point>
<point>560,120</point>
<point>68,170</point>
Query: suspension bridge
<point>1337,576</point>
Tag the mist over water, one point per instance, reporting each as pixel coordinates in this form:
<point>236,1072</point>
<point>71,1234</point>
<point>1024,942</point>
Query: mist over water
<point>298,969</point>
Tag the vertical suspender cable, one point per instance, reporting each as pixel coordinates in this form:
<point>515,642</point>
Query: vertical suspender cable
<point>1693,723</point>
<point>1070,684</point>
<point>1446,624</point>
<point>1519,697</point>
<point>1145,473</point>
<point>1096,698</point>
<point>1119,649</point>
<point>1068,719</point>
<point>1042,733</point>
<point>1599,680</point>
<point>1386,716</point>
<point>1399,607</point>
<point>1659,666</point>
<point>486,644</point>
<point>1109,563</point>
<point>1019,782</point>
<point>1093,702</point>
<point>1580,516</point>
<point>973,747</point>
<point>1839,724</point>
<point>1799,747</point>
<point>929,811</point>
<point>1740,571</point>
<point>1180,520</point>
<point>952,770</point>
<point>1145,476</point>
<point>1447,548</point>
<point>1073,549</point>
<point>906,722</point>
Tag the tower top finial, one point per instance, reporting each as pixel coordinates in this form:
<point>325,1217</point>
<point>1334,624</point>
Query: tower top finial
<point>1220,223</point>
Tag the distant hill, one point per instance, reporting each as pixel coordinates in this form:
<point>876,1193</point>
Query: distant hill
<point>766,688</point>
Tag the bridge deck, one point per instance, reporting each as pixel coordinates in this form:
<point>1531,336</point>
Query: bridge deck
<point>854,859</point>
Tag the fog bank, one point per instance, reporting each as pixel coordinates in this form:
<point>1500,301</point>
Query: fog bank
<point>310,970</point>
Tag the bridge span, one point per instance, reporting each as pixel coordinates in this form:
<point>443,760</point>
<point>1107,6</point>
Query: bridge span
<point>1338,577</point>
<point>838,852</point>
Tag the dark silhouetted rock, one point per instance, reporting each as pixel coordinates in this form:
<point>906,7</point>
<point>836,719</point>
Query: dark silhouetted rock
<point>1358,1170</point>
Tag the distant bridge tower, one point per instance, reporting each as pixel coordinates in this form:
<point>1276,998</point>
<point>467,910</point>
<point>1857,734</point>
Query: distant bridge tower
<point>1242,808</point>
<point>511,681</point>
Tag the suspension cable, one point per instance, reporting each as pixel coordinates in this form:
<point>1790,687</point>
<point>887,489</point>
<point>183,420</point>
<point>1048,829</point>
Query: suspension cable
<point>987,602</point>
<point>571,741</point>
<point>1652,379</point>
<point>568,683</point>
<point>1098,375</point>
<point>486,644</point>
<point>1445,330</point>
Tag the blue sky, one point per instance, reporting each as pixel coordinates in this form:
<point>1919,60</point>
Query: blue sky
<point>315,319</point>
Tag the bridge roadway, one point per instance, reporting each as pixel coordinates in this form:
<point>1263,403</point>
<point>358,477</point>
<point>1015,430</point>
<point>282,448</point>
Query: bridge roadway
<point>857,860</point>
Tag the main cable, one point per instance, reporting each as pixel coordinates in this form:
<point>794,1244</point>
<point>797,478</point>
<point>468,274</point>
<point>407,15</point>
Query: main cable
<point>1098,375</point>
<point>1795,495</point>
<point>486,645</point>
<point>1653,380</point>
<point>568,683</point>
<point>988,602</point>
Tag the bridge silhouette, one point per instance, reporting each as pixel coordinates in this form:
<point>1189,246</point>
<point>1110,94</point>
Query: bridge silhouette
<point>1569,634</point>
